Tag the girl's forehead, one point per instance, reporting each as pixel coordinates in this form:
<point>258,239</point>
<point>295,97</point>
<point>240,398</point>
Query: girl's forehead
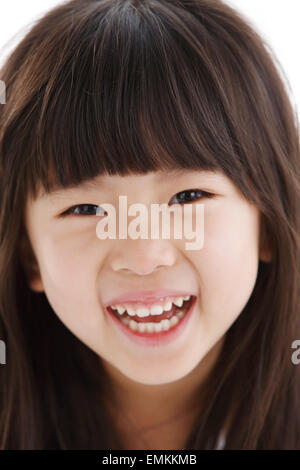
<point>158,177</point>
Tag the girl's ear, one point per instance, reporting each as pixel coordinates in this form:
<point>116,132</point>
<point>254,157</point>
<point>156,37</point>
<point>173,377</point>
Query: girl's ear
<point>30,265</point>
<point>265,245</point>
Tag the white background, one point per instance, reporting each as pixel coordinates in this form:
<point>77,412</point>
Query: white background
<point>277,21</point>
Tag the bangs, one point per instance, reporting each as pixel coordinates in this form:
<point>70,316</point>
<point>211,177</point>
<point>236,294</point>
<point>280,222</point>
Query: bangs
<point>126,94</point>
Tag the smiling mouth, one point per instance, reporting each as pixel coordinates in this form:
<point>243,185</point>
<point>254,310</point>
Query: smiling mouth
<point>154,323</point>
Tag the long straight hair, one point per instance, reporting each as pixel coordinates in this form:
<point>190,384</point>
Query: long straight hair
<point>127,87</point>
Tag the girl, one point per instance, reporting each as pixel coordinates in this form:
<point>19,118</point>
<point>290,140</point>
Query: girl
<point>170,101</point>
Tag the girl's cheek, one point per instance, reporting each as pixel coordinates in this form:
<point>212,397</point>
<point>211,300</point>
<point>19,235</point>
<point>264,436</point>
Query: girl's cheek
<point>230,242</point>
<point>230,230</point>
<point>228,262</point>
<point>70,259</point>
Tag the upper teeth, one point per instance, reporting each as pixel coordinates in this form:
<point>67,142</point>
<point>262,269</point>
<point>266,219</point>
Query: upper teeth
<point>156,309</point>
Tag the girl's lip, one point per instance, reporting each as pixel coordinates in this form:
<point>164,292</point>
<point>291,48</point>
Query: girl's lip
<point>153,339</point>
<point>146,297</point>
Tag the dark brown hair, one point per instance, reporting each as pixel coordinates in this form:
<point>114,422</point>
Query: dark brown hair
<point>127,87</point>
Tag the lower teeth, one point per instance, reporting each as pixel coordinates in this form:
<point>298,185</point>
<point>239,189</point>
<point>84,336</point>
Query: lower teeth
<point>148,327</point>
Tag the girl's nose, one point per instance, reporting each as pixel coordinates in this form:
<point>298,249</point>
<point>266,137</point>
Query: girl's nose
<point>143,257</point>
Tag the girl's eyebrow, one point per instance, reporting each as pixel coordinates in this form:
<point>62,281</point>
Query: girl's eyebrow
<point>93,184</point>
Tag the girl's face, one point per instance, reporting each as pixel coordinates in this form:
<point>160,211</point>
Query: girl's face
<point>82,274</point>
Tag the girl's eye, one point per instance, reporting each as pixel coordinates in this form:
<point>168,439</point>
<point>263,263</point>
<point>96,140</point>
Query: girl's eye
<point>190,195</point>
<point>187,196</point>
<point>84,209</point>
